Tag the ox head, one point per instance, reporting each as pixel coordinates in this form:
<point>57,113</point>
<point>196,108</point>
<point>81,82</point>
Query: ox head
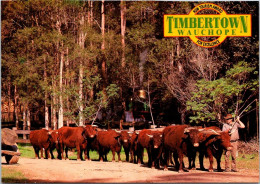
<point>156,139</point>
<point>192,134</point>
<point>224,139</point>
<point>53,136</point>
<point>90,131</point>
<point>125,137</point>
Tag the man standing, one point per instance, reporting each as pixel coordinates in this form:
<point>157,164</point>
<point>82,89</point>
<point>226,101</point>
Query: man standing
<point>233,131</point>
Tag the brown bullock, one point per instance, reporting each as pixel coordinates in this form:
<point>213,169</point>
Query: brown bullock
<point>54,142</point>
<point>109,140</point>
<point>151,140</point>
<point>72,137</point>
<point>180,140</point>
<point>40,140</point>
<point>213,143</point>
<point>155,147</point>
<point>125,142</point>
<point>133,147</point>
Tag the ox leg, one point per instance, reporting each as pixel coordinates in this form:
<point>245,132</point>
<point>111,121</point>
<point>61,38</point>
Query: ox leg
<point>86,154</point>
<point>127,154</point>
<point>201,157</point>
<point>181,164</point>
<point>61,151</point>
<point>149,151</point>
<point>192,161</point>
<point>210,161</point>
<point>42,153</point>
<point>177,164</point>
<point>88,158</point>
<point>66,153</point>
<point>140,156</point>
<point>119,158</point>
<point>36,151</point>
<point>47,153</point>
<point>131,156</point>
<point>218,158</point>
<point>165,160</point>
<point>100,156</point>
<point>113,153</point>
<point>78,153</point>
<point>52,156</point>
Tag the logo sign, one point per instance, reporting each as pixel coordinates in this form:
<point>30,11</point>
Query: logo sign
<point>219,26</point>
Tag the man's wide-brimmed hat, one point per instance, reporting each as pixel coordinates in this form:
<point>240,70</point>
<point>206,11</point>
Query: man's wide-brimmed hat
<point>228,116</point>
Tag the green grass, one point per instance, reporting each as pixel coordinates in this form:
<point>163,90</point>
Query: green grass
<point>248,161</point>
<point>11,176</point>
<point>26,150</point>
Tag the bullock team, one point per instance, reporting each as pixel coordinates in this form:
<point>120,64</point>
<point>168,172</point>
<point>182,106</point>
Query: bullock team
<point>173,141</point>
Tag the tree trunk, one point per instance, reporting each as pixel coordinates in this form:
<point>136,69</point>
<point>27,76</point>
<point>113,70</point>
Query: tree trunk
<point>103,64</point>
<point>16,107</point>
<point>53,107</point>
<point>9,102</point>
<point>257,123</point>
<point>46,108</point>
<point>67,82</point>
<point>81,41</point>
<point>123,27</point>
<point>28,119</point>
<point>60,121</point>
<point>24,120</point>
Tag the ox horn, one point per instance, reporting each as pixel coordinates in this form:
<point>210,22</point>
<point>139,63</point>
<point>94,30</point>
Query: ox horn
<point>118,131</point>
<point>216,133</point>
<point>201,129</point>
<point>151,136</point>
<point>137,132</point>
<point>160,135</point>
<point>186,130</point>
<point>94,125</point>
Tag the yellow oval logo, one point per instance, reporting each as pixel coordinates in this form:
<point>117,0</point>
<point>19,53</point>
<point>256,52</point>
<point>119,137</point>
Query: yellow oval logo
<point>220,25</point>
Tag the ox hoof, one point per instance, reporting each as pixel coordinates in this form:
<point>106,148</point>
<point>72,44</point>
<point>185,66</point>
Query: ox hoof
<point>180,171</point>
<point>210,170</point>
<point>78,159</point>
<point>165,169</point>
<point>153,167</point>
<point>120,161</point>
<point>113,161</point>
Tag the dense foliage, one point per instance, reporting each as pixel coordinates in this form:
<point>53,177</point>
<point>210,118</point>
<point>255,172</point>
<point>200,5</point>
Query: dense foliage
<point>69,59</point>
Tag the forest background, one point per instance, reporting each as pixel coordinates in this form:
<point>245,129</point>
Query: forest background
<point>66,61</point>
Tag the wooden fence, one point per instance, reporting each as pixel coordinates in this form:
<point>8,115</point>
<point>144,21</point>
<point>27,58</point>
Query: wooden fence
<point>25,134</point>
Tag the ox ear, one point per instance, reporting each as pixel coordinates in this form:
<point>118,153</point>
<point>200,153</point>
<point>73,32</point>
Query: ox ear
<point>150,136</point>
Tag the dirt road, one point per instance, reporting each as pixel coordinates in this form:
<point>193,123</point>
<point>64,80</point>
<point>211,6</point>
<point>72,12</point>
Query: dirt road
<point>107,172</point>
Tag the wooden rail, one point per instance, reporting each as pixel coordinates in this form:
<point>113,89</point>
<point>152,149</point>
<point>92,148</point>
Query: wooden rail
<point>24,133</point>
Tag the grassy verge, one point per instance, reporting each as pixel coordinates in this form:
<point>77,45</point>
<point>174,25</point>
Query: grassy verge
<point>11,176</point>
